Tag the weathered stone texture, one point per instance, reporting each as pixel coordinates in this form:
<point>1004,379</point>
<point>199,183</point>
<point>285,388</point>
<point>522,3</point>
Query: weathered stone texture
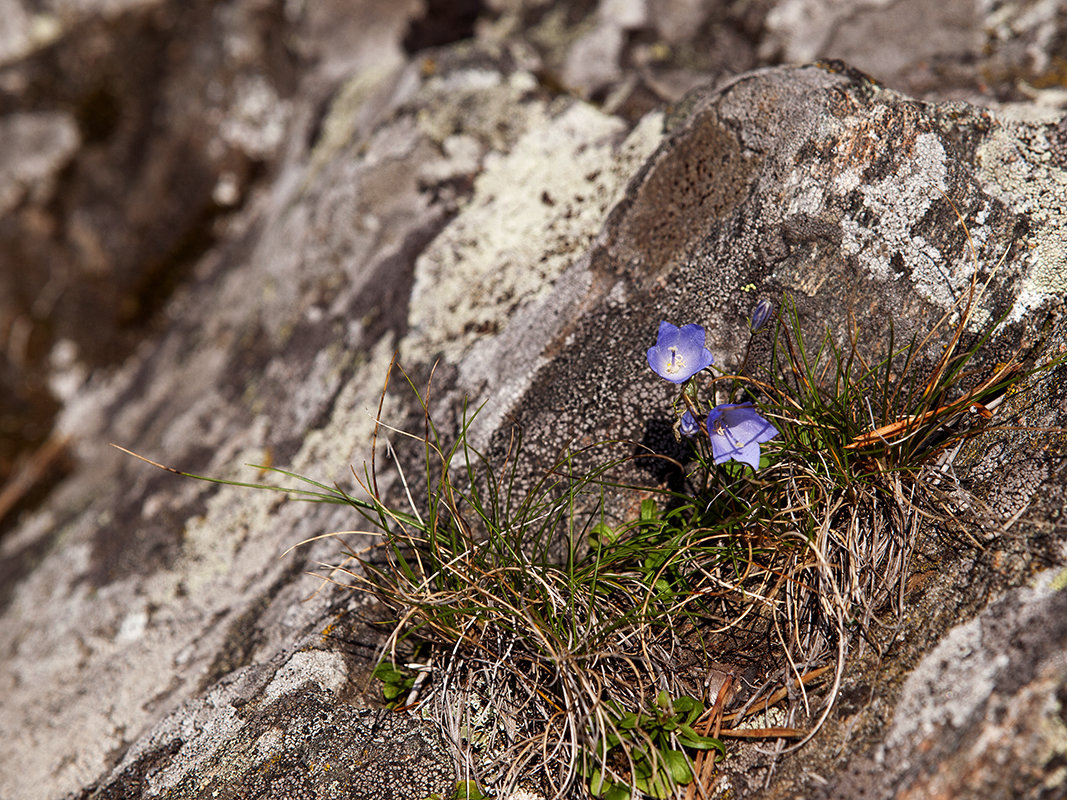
<point>247,740</point>
<point>982,714</point>
<point>222,220</point>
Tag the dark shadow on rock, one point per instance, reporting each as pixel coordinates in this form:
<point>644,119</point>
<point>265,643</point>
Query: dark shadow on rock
<point>661,455</point>
<point>444,22</point>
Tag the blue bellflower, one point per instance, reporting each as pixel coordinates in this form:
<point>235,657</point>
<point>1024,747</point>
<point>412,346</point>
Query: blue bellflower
<point>736,431</point>
<point>679,353</point>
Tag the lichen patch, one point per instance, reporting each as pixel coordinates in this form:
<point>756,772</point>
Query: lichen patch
<point>899,201</point>
<point>1017,164</point>
<point>533,208</point>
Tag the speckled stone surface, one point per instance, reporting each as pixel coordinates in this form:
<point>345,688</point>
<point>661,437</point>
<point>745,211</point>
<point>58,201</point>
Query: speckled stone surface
<point>305,743</point>
<point>312,189</point>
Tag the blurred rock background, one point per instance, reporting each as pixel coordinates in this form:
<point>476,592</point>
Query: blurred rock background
<point>135,132</point>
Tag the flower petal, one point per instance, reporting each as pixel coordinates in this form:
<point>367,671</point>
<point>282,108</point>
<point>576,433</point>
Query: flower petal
<point>679,353</point>
<point>736,432</point>
<point>748,425</point>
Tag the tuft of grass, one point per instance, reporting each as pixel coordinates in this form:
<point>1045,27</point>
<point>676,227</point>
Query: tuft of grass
<point>552,623</point>
<point>557,629</point>
<point>540,624</point>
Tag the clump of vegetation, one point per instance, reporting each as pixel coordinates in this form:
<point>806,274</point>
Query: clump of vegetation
<point>557,641</point>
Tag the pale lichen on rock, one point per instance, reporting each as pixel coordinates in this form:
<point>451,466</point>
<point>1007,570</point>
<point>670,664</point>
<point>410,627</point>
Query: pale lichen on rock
<point>513,246</point>
<point>1026,166</point>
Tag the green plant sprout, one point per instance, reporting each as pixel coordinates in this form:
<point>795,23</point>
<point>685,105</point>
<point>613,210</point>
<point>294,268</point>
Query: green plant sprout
<point>397,683</point>
<point>554,622</point>
<point>656,745</point>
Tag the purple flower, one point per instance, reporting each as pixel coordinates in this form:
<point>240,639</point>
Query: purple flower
<point>679,353</point>
<point>736,432</point>
<point>688,427</point>
<point>761,314</point>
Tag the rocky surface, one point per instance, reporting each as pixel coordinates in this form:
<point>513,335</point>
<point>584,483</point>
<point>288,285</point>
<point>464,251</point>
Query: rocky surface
<point>996,684</point>
<point>221,220</point>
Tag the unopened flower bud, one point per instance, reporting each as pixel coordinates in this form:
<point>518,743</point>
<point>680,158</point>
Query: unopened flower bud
<point>688,425</point>
<point>761,314</point>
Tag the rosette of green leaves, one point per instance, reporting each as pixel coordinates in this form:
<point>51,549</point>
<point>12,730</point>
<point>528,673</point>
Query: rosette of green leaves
<point>654,745</point>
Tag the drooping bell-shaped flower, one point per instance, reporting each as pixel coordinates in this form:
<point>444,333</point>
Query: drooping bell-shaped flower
<point>679,353</point>
<point>688,425</point>
<point>736,432</point>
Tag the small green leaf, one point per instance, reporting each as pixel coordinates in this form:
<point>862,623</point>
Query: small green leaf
<point>688,707</point>
<point>643,770</point>
<point>601,786</point>
<point>657,785</point>
<point>597,784</point>
<point>678,765</point>
<point>602,535</point>
<point>687,737</point>
<point>648,510</point>
<point>388,674</point>
<point>628,721</point>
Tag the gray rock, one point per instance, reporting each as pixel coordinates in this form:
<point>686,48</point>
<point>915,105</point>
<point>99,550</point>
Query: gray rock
<point>814,182</point>
<point>980,715</point>
<point>167,593</point>
<point>954,49</point>
<point>290,736</point>
<point>453,205</point>
<point>36,147</point>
